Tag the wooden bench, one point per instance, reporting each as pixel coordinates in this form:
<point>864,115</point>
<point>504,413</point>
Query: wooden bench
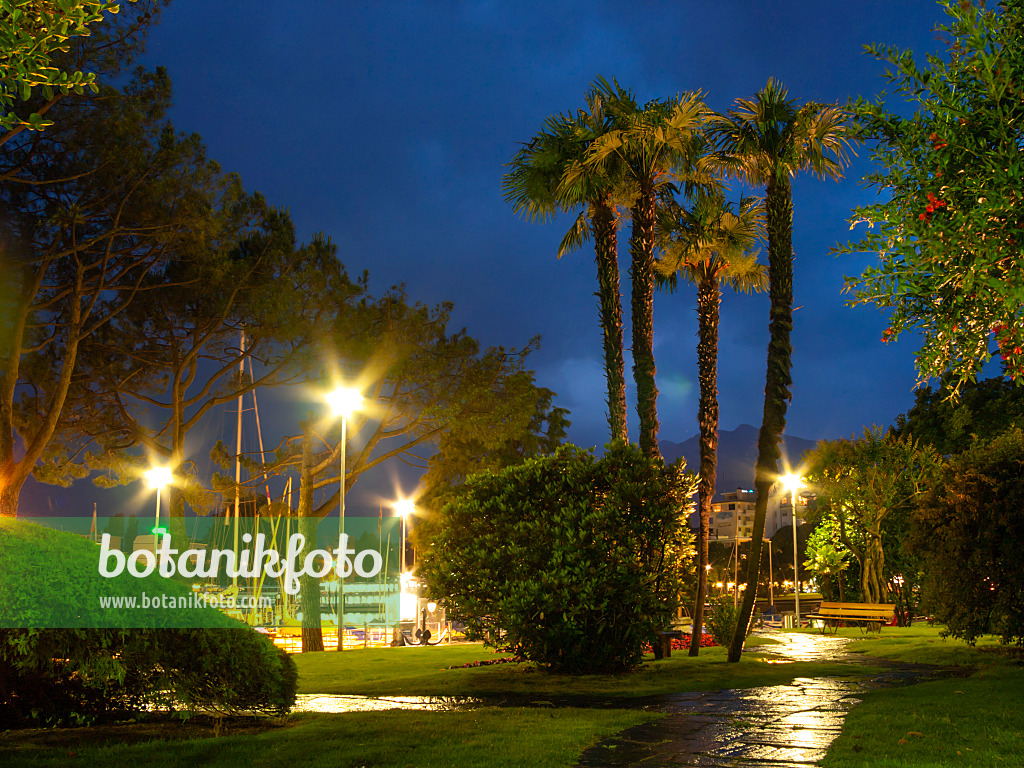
<point>871,616</point>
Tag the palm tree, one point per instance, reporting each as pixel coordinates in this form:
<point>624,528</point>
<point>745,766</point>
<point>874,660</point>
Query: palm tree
<point>654,145</point>
<point>709,245</point>
<point>534,187</point>
<point>765,141</point>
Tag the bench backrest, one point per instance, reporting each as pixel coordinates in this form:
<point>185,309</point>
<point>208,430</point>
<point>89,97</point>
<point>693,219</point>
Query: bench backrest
<point>869,610</point>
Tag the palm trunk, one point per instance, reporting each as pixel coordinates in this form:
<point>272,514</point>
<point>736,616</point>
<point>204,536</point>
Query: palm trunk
<point>641,248</point>
<point>709,297</point>
<point>610,301</point>
<point>779,224</point>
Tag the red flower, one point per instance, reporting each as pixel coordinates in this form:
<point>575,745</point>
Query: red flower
<point>923,217</point>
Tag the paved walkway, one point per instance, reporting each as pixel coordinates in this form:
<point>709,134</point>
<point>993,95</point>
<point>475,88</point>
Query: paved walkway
<point>780,726</point>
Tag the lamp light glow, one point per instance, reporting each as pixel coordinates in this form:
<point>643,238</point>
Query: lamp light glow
<point>158,477</point>
<point>791,482</point>
<point>344,401</point>
<point>405,507</point>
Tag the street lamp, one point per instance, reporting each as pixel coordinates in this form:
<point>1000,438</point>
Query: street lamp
<point>404,508</point>
<point>344,401</point>
<point>158,477</point>
<point>793,483</point>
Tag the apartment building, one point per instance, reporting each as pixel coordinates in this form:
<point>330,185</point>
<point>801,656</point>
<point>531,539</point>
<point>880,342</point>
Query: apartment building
<point>732,514</point>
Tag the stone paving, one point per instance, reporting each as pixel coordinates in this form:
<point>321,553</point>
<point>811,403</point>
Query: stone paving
<point>780,726</point>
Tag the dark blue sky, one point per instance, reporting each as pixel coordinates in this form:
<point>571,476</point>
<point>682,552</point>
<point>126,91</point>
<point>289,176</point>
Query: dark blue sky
<point>387,126</point>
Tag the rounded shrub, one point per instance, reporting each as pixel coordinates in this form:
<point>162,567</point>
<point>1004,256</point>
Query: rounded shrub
<point>573,561</point>
<point>65,659</point>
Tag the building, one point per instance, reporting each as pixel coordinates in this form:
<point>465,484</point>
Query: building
<point>732,514</point>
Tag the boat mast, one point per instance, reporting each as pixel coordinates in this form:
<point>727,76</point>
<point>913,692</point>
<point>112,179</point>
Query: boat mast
<point>238,453</point>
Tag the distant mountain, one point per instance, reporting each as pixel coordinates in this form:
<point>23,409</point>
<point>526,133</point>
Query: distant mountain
<point>737,454</point>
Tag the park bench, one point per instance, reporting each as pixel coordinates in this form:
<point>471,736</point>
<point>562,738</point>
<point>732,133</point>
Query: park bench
<point>871,616</point>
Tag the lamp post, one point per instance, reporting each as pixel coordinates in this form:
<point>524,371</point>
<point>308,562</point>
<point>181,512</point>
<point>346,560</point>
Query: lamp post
<point>792,483</point>
<point>404,508</point>
<point>158,477</point>
<point>344,401</point>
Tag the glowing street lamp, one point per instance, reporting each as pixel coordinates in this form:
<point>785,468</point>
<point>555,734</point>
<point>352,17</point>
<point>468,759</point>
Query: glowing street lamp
<point>793,483</point>
<point>404,508</point>
<point>344,401</point>
<point>158,477</point>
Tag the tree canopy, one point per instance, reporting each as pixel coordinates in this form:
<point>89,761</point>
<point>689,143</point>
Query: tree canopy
<point>970,532</point>
<point>860,484</point>
<point>949,228</point>
<point>92,205</point>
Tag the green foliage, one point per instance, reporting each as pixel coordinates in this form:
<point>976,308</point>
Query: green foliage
<point>574,561</point>
<point>461,456</point>
<point>949,230</point>
<point>981,411</point>
<point>66,660</point>
<point>861,483</point>
<point>722,620</point>
<point>827,557</point>
<point>31,33</point>
<point>970,533</point>
<point>91,206</point>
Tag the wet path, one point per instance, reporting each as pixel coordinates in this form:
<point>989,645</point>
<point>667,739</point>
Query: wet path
<point>780,726</point>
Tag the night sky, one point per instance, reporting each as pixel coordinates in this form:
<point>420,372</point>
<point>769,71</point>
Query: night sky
<point>388,126</point>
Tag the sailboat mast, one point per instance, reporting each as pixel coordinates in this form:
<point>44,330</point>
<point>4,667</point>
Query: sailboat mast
<point>238,452</point>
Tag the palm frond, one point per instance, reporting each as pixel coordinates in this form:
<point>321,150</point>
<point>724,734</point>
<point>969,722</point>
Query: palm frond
<point>578,234</point>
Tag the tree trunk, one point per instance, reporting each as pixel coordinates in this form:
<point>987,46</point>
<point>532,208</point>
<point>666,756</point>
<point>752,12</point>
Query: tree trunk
<point>709,297</point>
<point>10,491</point>
<point>309,587</point>
<point>779,224</point>
<point>609,297</point>
<point>641,248</point>
<point>871,575</point>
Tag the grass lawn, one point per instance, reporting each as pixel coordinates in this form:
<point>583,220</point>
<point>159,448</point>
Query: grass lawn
<point>970,722</point>
<point>424,672</point>
<point>488,738</point>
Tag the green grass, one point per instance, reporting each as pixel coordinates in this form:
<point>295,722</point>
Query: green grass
<point>423,672</point>
<point>968,722</point>
<point>975,722</point>
<point>486,738</point>
<point>922,644</point>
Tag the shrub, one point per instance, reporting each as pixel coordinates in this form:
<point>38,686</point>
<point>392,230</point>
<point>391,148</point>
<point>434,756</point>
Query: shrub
<point>721,622</point>
<point>576,562</point>
<point>969,532</point>
<point>105,663</point>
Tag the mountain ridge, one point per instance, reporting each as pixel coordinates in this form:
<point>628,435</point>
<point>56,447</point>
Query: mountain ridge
<point>737,455</point>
